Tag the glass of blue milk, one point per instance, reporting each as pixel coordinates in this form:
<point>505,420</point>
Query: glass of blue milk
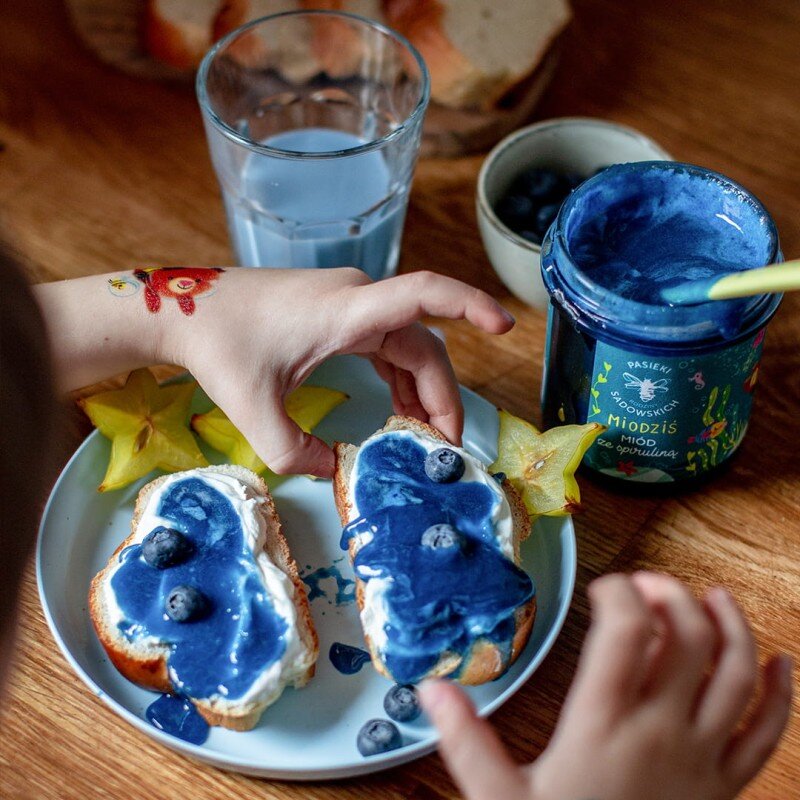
<point>314,122</point>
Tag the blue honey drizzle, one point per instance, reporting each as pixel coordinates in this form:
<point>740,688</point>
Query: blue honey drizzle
<point>345,588</point>
<point>437,600</point>
<point>242,635</point>
<point>178,717</point>
<point>347,659</point>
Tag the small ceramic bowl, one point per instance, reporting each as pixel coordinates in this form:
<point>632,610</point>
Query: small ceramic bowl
<point>571,144</point>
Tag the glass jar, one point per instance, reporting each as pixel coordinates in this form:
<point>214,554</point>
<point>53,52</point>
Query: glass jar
<point>674,384</point>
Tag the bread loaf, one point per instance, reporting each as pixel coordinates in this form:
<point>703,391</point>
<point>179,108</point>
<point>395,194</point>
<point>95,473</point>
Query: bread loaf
<point>477,51</point>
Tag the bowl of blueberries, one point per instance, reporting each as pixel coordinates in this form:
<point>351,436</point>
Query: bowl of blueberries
<point>528,175</point>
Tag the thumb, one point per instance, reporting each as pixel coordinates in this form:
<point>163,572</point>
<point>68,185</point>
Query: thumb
<point>285,448</point>
<point>469,746</point>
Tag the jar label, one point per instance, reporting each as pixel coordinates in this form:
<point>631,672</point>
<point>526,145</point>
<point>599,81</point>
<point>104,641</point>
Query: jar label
<point>669,418</point>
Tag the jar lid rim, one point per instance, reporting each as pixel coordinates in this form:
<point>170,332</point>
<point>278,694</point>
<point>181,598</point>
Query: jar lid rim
<point>645,320</point>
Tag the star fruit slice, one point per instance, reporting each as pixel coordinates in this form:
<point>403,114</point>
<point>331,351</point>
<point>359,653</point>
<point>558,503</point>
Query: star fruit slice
<point>147,425</point>
<point>541,466</point>
<point>307,406</point>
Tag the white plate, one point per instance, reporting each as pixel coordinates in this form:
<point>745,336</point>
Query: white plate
<point>308,734</point>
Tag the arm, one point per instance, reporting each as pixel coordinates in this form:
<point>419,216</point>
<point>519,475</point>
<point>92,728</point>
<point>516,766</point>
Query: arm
<point>96,331</point>
<point>250,336</point>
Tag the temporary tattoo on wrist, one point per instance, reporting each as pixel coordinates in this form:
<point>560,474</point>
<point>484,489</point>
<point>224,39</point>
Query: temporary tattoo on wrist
<point>122,286</point>
<point>181,283</point>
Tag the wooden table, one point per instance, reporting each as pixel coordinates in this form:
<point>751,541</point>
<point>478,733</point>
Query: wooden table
<point>101,171</point>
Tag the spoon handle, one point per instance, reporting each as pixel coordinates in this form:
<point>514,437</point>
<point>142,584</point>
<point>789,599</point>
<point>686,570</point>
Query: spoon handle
<point>763,280</point>
<point>776,278</point>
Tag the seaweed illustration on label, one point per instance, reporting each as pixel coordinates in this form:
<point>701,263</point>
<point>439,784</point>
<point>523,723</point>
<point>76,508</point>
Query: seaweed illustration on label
<point>716,423</point>
<point>602,377</point>
<point>647,389</point>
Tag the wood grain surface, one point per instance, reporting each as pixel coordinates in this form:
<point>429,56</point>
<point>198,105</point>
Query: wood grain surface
<point>100,171</point>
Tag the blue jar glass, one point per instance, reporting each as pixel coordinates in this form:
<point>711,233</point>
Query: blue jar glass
<point>673,384</point>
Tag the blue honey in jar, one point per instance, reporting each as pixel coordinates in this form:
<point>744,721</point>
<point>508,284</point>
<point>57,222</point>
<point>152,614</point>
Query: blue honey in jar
<point>673,384</point>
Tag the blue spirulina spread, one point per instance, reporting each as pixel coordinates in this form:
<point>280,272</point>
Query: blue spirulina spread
<point>241,634</point>
<point>437,600</point>
<point>673,384</point>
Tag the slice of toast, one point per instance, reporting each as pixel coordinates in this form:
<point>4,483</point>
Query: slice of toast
<point>146,661</point>
<point>485,660</point>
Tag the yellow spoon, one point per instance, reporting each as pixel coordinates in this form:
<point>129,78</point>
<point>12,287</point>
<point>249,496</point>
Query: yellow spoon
<point>764,280</point>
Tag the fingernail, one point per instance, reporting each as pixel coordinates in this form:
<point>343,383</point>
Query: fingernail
<point>509,317</point>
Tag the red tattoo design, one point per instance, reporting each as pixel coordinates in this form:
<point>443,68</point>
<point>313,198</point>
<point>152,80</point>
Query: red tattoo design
<point>182,283</point>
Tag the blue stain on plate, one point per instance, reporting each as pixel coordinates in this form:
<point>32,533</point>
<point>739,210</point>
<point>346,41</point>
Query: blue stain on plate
<point>346,658</point>
<point>345,588</point>
<point>178,717</point>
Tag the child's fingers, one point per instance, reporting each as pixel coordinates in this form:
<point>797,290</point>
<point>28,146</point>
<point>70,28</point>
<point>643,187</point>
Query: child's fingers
<point>753,747</point>
<point>733,682</point>
<point>419,352</point>
<point>612,665</point>
<point>392,304</point>
<point>283,447</point>
<point>472,751</point>
<point>408,401</point>
<point>689,644</point>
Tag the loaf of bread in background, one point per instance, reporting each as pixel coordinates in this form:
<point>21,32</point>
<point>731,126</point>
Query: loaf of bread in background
<point>485,660</point>
<point>477,51</point>
<point>145,661</point>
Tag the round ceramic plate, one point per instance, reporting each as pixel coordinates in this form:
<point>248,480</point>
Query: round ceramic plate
<point>309,734</point>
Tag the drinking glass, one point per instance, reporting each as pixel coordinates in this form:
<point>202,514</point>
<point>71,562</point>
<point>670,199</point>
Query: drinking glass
<point>313,121</point>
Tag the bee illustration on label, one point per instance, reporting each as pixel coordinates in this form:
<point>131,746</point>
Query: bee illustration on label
<point>647,388</point>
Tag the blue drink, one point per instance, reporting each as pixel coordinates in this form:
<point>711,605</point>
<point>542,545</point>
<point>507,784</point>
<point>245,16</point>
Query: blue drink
<point>317,213</point>
<point>313,122</point>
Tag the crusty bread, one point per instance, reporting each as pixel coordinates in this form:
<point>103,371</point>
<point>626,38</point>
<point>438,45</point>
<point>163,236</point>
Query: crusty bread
<point>178,32</point>
<point>477,51</point>
<point>146,663</point>
<point>485,661</point>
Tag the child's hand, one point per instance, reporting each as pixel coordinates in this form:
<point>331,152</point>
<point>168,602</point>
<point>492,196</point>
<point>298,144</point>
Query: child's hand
<point>654,712</point>
<point>263,332</point>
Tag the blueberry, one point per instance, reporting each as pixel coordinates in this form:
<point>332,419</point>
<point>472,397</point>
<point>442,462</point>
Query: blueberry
<point>531,236</point>
<point>545,216</point>
<point>444,465</point>
<point>441,537</point>
<point>541,185</point>
<point>574,179</point>
<point>499,476</point>
<point>163,547</point>
<point>378,736</point>
<point>515,210</point>
<point>186,604</point>
<point>401,703</point>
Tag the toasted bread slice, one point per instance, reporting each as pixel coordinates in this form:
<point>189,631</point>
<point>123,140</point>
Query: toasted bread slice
<point>485,660</point>
<point>145,661</point>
